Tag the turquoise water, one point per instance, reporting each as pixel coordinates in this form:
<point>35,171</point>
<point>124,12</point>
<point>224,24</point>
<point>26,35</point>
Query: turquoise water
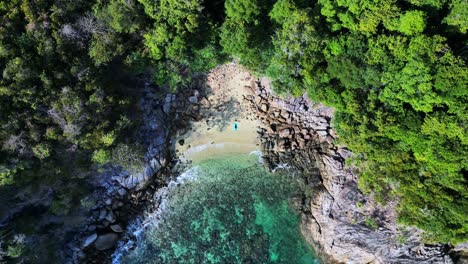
<point>233,212</point>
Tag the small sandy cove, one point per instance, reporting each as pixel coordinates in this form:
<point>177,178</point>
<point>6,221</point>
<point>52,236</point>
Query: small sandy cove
<point>214,136</point>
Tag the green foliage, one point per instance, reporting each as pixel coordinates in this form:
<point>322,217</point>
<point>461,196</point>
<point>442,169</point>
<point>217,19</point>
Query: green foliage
<point>296,47</point>
<point>389,69</point>
<point>102,50</point>
<point>402,239</point>
<point>245,33</point>
<point>56,93</point>
<point>458,15</point>
<point>371,223</point>
<point>396,77</point>
<point>15,247</point>
<point>101,156</point>
<point>358,16</point>
<point>432,3</point>
<point>206,58</point>
<point>182,36</point>
<point>15,251</point>
<point>108,139</point>
<point>42,150</point>
<point>61,204</point>
<point>128,156</point>
<point>7,175</point>
<point>400,98</point>
<point>122,16</point>
<point>411,22</point>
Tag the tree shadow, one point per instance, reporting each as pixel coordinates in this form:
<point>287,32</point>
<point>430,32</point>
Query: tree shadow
<point>223,114</point>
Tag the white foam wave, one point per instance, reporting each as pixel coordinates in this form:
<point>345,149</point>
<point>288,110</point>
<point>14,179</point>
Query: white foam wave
<point>139,225</point>
<point>259,154</point>
<point>281,166</point>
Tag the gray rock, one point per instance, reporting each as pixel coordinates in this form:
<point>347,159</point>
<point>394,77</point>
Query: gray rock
<point>152,123</point>
<point>149,172</point>
<point>320,126</point>
<point>111,217</point>
<point>284,133</point>
<point>122,191</point>
<point>168,102</point>
<point>322,133</point>
<point>155,165</point>
<point>102,214</point>
<point>193,99</point>
<point>89,240</point>
<point>344,153</point>
<point>117,228</point>
<point>105,242</point>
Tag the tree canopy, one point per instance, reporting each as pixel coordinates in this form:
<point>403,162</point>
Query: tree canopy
<point>395,71</point>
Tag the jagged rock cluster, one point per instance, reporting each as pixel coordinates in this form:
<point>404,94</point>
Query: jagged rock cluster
<point>290,124</point>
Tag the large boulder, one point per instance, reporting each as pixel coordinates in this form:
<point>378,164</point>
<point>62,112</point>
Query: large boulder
<point>105,242</point>
<point>89,240</point>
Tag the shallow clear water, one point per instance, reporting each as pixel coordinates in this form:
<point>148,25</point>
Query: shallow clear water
<point>233,212</point>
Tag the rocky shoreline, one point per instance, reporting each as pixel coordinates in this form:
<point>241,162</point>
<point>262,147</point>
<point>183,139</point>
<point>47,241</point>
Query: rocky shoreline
<point>341,223</point>
<point>121,197</point>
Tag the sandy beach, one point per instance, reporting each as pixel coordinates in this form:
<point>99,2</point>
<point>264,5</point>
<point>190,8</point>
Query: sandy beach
<point>226,85</point>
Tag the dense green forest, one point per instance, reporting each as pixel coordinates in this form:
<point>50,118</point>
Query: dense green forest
<point>395,71</point>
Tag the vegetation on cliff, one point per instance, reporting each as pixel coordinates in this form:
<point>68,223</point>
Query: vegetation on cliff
<point>394,70</point>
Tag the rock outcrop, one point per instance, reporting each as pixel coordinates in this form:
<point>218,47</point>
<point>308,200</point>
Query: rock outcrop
<point>343,224</point>
<point>121,196</point>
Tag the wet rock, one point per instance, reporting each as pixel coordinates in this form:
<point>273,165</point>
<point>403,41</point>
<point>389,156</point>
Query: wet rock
<point>104,224</point>
<point>105,242</point>
<point>167,102</point>
<point>102,214</point>
<point>148,172</point>
<point>152,123</point>
<point>111,217</point>
<point>155,164</point>
<point>117,228</point>
<point>122,192</point>
<point>89,240</point>
<point>193,99</point>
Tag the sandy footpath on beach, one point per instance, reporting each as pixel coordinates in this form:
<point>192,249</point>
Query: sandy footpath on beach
<point>214,136</point>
